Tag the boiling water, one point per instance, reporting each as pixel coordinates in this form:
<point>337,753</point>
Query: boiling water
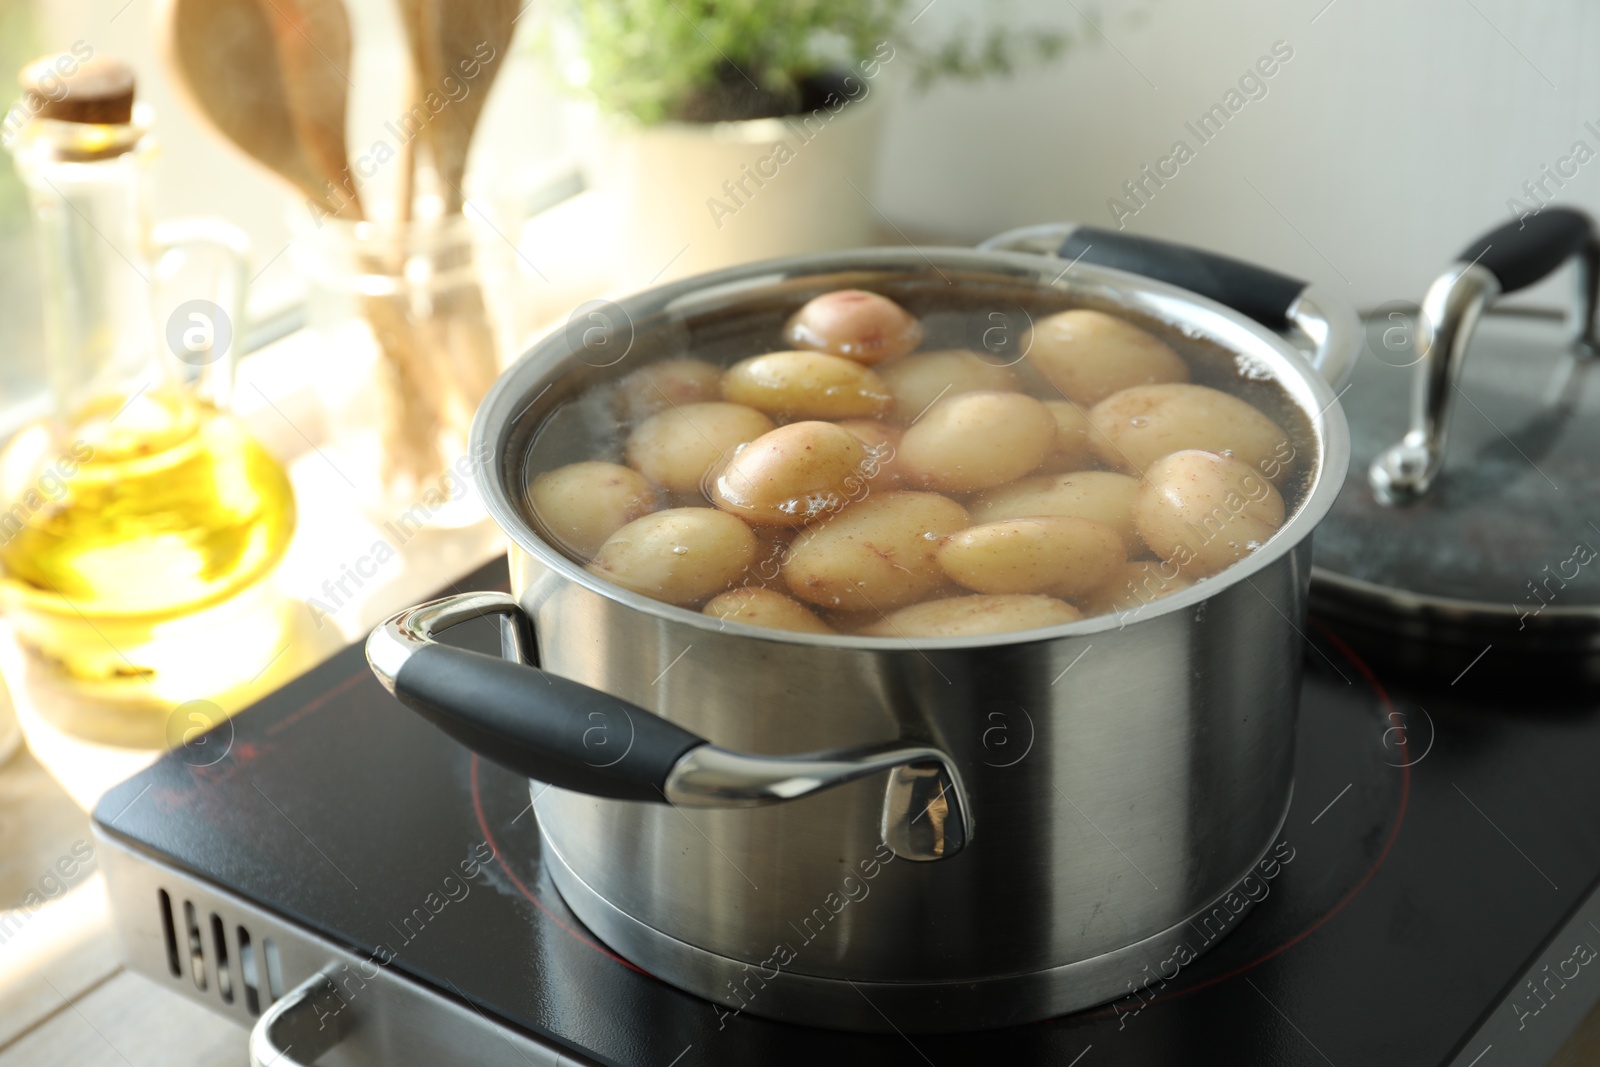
<point>983,314</point>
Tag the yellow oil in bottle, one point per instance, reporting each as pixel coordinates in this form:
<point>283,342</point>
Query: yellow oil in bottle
<point>136,545</point>
<point>151,506</point>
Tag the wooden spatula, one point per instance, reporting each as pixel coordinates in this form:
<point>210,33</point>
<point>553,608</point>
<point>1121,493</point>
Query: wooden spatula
<point>225,59</point>
<point>447,40</point>
<point>312,38</point>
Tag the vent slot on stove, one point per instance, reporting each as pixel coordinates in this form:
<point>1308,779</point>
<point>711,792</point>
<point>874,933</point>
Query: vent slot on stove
<point>248,976</point>
<point>197,950</point>
<point>219,946</point>
<point>170,929</point>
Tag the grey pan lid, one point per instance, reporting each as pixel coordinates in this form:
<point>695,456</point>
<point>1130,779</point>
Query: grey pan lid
<point>1471,511</point>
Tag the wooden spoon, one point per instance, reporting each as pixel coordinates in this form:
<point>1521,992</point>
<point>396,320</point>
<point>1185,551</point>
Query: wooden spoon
<point>225,57</point>
<point>456,47</point>
<point>447,41</point>
<point>312,38</point>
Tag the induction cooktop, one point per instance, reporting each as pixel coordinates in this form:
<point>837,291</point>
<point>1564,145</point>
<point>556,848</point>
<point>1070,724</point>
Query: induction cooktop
<point>331,870</point>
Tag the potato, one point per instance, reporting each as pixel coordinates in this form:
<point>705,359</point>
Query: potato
<point>1054,554</point>
<point>1138,426</point>
<point>682,555</point>
<point>967,616</point>
<point>1133,585</point>
<point>875,555</point>
<point>1202,511</point>
<point>670,383</point>
<point>757,606</point>
<point>1089,355</point>
<point>678,447</point>
<point>582,504</point>
<point>1072,450</point>
<point>807,385</point>
<point>856,324</point>
<point>883,441</point>
<point>1098,495</point>
<point>920,380</point>
<point>977,441</point>
<point>792,475</point>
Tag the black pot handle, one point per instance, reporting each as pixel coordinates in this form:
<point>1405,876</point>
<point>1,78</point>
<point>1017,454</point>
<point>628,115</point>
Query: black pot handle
<point>1264,295</point>
<point>542,725</point>
<point>575,737</point>
<point>1274,300</point>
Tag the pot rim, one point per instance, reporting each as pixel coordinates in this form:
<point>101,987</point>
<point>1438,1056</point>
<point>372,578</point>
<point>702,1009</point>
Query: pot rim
<point>1195,315</point>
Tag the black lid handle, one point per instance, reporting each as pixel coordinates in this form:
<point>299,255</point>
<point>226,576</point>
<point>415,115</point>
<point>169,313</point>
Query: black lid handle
<point>1505,259</point>
<point>1528,249</point>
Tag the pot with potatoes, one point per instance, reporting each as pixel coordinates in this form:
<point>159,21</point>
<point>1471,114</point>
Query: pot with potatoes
<point>905,638</point>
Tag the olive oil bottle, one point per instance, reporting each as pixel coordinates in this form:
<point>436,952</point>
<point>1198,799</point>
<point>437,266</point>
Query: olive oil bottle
<point>138,516</point>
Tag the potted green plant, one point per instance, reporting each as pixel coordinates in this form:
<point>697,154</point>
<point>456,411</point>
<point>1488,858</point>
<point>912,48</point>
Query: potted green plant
<point>732,130</point>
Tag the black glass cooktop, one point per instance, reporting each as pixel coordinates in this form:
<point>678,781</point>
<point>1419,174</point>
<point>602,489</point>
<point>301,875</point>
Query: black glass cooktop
<point>1438,849</point>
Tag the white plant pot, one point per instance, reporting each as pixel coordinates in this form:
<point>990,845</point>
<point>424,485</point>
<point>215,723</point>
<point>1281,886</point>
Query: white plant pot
<point>696,197</point>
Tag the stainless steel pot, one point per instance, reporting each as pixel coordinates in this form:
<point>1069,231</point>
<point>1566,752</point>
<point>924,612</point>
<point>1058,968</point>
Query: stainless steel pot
<point>871,833</point>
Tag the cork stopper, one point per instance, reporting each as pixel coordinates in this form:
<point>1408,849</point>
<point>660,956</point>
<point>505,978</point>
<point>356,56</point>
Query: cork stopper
<point>67,89</point>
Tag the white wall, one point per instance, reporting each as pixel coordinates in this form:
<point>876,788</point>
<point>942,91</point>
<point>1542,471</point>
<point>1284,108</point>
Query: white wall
<point>1398,130</point>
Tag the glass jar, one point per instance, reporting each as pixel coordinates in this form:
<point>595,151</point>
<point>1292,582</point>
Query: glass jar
<point>411,350</point>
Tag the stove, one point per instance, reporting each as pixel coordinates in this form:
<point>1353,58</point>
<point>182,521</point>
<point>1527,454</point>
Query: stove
<point>330,869</point>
